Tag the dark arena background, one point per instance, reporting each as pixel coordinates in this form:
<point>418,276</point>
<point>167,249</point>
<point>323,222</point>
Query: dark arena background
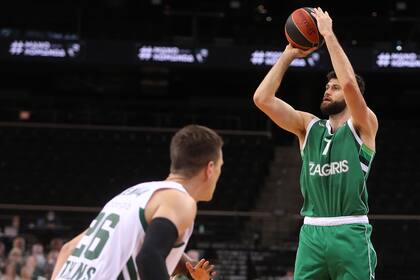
<point>92,91</point>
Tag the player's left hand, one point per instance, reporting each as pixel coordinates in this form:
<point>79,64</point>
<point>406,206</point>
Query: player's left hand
<point>202,270</point>
<point>323,20</point>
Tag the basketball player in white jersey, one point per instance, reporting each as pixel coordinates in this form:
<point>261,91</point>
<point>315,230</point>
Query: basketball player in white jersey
<point>143,231</point>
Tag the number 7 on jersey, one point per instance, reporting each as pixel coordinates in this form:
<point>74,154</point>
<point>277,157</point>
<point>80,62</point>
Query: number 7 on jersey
<point>327,147</point>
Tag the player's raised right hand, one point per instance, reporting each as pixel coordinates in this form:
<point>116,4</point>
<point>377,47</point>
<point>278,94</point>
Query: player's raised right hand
<point>295,52</point>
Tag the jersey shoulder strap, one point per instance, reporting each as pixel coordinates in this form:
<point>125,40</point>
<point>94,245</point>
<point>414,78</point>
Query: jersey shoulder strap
<point>312,123</point>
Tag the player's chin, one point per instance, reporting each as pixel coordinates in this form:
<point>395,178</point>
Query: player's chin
<point>324,105</point>
<point>208,198</point>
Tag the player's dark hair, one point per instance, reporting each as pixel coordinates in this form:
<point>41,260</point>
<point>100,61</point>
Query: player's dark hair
<point>359,79</point>
<point>192,148</point>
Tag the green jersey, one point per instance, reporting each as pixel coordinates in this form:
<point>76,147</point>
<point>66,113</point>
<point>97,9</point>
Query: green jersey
<point>334,171</point>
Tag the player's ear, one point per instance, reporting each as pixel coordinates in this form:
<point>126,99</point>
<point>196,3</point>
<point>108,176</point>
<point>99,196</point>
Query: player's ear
<point>209,169</point>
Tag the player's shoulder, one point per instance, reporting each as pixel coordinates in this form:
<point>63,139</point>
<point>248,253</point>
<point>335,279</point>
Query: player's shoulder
<point>176,197</point>
<point>312,121</point>
<point>307,118</point>
<point>179,202</point>
<point>174,203</point>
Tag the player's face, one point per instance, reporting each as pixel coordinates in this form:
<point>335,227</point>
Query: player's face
<point>333,100</point>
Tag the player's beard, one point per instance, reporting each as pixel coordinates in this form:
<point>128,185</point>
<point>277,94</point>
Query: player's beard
<point>333,108</point>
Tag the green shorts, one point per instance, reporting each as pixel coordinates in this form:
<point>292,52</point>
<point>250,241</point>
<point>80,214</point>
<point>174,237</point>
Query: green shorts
<point>342,252</point>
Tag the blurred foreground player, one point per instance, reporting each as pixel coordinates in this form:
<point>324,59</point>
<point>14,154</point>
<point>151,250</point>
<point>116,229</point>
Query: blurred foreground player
<point>337,153</point>
<point>144,230</point>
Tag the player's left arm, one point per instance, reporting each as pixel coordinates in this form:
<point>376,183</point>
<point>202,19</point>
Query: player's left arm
<point>173,215</point>
<point>65,252</point>
<point>363,118</point>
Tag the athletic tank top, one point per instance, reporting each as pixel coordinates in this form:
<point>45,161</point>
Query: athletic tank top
<point>109,248</point>
<point>334,171</point>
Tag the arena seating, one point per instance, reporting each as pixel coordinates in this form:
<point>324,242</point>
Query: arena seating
<point>392,187</point>
<point>86,167</point>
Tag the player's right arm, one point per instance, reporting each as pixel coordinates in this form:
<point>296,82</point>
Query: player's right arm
<point>169,214</point>
<point>65,252</point>
<point>284,115</point>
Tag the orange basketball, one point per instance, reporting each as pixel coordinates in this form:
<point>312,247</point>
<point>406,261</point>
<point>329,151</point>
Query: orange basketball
<point>302,31</point>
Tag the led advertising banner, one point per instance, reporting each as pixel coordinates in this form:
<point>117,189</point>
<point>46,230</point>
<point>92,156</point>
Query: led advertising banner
<point>397,60</point>
<point>260,57</point>
<point>41,49</point>
<point>222,57</point>
<point>172,54</point>
<point>219,57</point>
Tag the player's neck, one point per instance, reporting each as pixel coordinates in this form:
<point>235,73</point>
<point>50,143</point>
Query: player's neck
<point>337,120</point>
<point>180,179</point>
<point>187,183</point>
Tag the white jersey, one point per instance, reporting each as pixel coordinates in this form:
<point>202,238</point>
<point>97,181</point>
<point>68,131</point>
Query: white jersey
<point>109,248</point>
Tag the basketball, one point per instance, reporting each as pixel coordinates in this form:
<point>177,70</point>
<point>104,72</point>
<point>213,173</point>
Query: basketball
<point>302,31</point>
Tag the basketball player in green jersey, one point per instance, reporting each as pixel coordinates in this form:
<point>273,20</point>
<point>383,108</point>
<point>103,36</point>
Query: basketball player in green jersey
<point>334,242</point>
